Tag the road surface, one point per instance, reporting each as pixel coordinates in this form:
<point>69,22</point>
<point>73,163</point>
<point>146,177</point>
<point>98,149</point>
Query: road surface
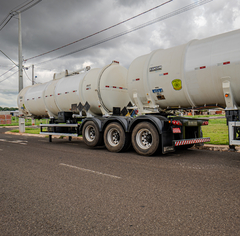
<point>66,188</point>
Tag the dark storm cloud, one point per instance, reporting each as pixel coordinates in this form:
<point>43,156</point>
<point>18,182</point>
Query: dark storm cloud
<point>54,23</point>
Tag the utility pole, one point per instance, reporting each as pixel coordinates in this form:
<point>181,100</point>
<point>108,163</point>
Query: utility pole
<point>20,71</point>
<point>33,121</point>
<point>32,74</point>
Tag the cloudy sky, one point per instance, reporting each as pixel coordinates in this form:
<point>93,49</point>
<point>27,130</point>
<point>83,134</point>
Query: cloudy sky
<point>54,23</point>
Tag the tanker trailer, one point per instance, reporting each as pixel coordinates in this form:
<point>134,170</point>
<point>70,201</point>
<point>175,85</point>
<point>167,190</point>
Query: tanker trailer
<point>102,88</point>
<point>92,103</point>
<point>201,73</point>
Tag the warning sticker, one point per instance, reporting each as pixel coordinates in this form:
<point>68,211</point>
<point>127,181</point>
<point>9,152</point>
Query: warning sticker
<point>177,84</point>
<point>158,90</point>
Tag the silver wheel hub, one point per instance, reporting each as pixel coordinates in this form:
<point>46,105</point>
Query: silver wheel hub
<point>90,133</point>
<point>113,137</point>
<point>144,138</point>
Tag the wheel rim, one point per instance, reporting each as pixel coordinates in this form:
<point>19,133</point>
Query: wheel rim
<point>144,139</point>
<point>90,133</point>
<point>113,137</point>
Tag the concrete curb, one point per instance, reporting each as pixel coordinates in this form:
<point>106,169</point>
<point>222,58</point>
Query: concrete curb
<point>43,135</point>
<point>219,148</point>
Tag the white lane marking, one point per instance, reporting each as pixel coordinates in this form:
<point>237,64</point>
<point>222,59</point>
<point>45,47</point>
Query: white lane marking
<point>23,142</point>
<point>92,171</point>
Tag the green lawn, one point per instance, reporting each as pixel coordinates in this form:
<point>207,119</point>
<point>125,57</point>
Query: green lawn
<point>217,130</point>
<point>28,122</point>
<point>28,130</point>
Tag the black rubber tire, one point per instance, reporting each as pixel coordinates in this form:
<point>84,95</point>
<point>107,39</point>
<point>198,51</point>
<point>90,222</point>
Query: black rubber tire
<point>91,135</point>
<point>115,138</point>
<point>152,139</point>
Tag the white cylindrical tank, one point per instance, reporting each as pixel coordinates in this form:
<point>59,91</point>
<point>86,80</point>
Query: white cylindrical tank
<point>103,89</point>
<point>189,75</point>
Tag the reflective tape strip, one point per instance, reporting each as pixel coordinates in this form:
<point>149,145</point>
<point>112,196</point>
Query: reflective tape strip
<point>200,68</point>
<point>224,63</point>
<point>115,87</point>
<point>163,74</point>
<point>191,141</point>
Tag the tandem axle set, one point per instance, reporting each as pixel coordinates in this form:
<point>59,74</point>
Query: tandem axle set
<point>146,133</point>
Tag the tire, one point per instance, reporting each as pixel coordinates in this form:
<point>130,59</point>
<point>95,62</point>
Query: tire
<point>91,135</point>
<point>145,139</point>
<point>115,138</point>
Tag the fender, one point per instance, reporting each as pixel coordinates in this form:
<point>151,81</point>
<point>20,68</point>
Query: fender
<point>157,120</point>
<point>123,120</point>
<point>97,120</point>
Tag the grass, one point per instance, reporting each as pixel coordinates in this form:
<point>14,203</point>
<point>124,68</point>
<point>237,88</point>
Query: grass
<point>28,130</point>
<point>28,122</point>
<point>217,129</point>
<point>205,116</point>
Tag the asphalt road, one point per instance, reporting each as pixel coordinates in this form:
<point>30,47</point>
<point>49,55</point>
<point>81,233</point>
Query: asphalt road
<point>66,188</point>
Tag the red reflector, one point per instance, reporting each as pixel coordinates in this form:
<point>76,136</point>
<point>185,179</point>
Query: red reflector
<point>176,122</point>
<point>176,130</point>
<point>202,67</point>
<point>51,95</point>
<point>226,63</point>
<point>116,62</point>
<point>66,92</point>
<point>205,123</point>
<point>74,91</point>
<point>59,93</point>
<point>165,74</point>
<point>45,96</point>
<point>114,87</point>
<point>107,86</point>
<point>137,79</point>
<point>120,87</point>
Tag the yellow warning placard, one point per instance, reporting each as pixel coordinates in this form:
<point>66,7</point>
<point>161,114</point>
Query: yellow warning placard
<point>177,84</point>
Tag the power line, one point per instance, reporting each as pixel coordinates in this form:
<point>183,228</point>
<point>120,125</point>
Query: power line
<point>27,74</point>
<point>110,27</point>
<point>164,17</point>
<point>8,77</point>
<point>8,57</point>
<point>7,71</point>
<point>20,8</point>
